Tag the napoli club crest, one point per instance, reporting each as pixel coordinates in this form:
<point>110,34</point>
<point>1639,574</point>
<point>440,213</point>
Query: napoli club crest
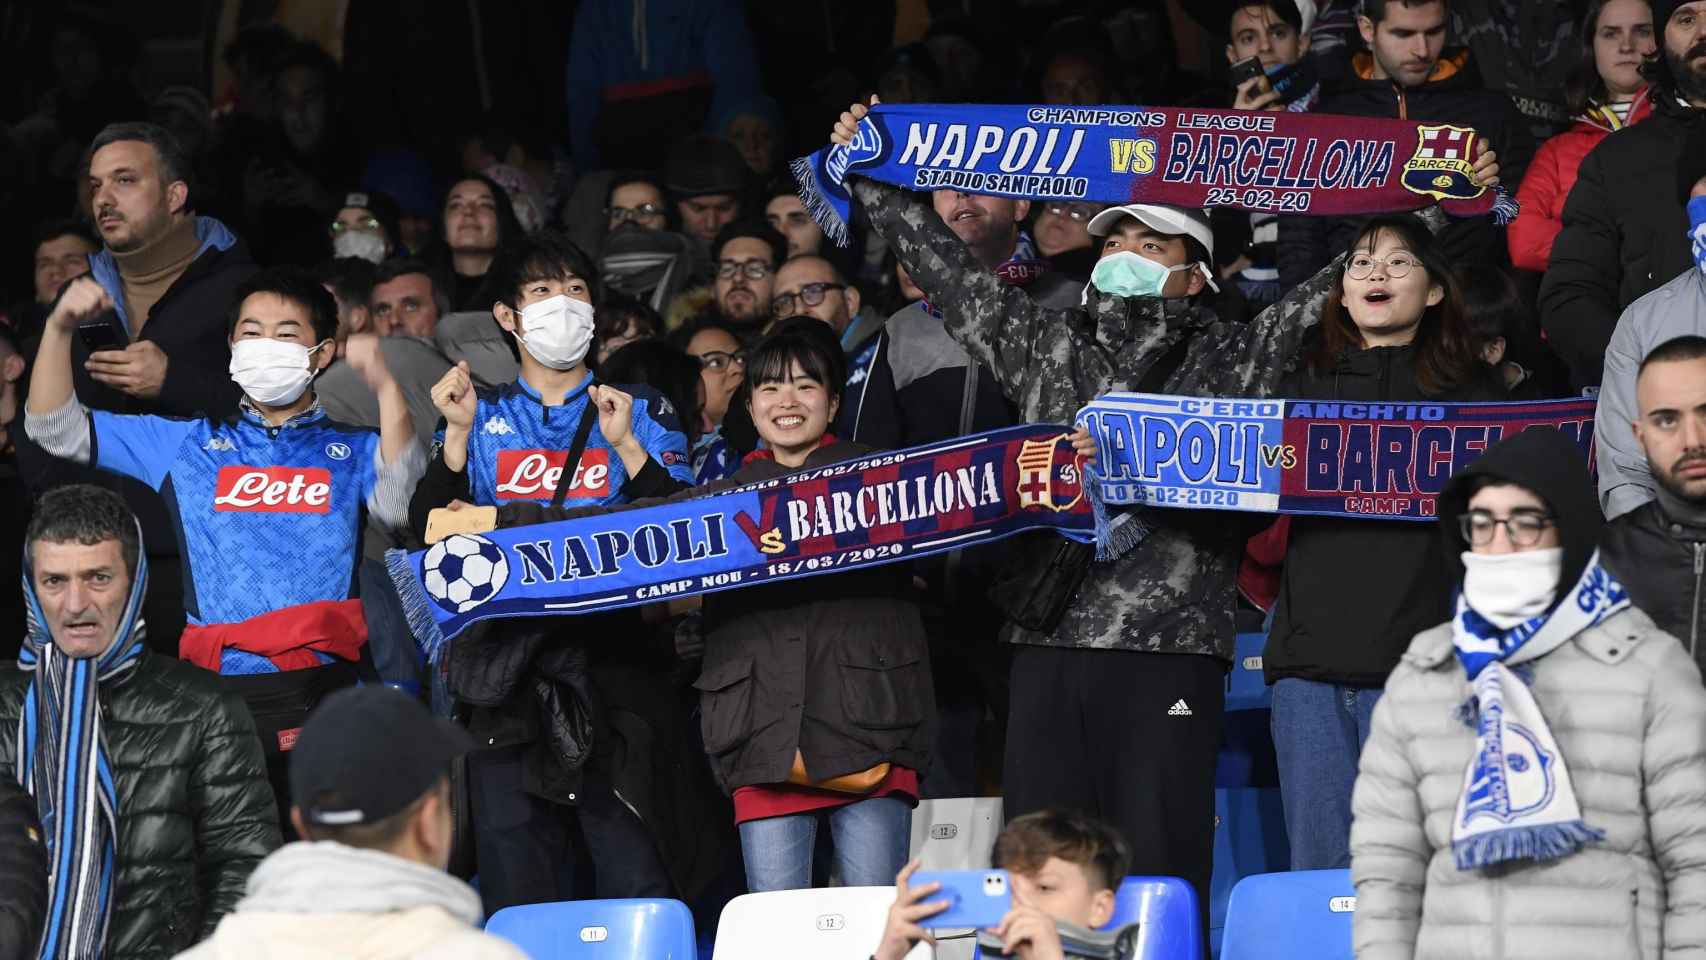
<point>865,150</point>
<point>1050,475</point>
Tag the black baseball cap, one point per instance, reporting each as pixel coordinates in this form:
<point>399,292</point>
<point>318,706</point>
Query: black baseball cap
<point>368,752</point>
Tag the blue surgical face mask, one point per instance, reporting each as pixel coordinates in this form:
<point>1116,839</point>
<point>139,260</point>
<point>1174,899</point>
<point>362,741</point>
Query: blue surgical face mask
<point>1125,274</point>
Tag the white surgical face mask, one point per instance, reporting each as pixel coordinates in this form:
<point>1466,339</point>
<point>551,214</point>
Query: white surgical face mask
<point>557,331</point>
<point>270,372</point>
<point>365,244</point>
<point>1511,588</point>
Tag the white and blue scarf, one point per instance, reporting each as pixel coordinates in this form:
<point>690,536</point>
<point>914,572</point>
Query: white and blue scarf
<point>63,762</point>
<point>1518,802</point>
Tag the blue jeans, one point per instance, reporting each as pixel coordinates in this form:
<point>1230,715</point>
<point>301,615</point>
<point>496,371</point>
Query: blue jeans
<point>1319,730</point>
<point>871,842</point>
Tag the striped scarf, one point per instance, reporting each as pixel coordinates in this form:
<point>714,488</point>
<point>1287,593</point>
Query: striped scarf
<point>62,761</point>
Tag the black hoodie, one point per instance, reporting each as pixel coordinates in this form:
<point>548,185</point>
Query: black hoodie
<point>1452,95</point>
<point>1548,464</point>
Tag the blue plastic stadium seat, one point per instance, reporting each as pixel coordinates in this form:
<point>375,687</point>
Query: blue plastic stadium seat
<point>1249,838</point>
<point>1277,916</point>
<point>1246,690</point>
<point>610,929</point>
<point>1167,909</point>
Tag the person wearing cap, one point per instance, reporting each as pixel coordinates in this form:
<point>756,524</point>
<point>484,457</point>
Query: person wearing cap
<point>146,773</point>
<point>1625,232</point>
<point>365,226</point>
<point>1152,628</point>
<point>1408,74</point>
<point>707,180</point>
<point>1535,780</point>
<point>1394,330</point>
<point>370,796</point>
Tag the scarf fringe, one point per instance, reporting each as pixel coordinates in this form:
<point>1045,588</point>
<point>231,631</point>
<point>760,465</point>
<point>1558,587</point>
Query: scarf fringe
<point>1548,841</point>
<point>417,606</point>
<point>817,201</point>
<point>1505,207</point>
<point>1116,534</point>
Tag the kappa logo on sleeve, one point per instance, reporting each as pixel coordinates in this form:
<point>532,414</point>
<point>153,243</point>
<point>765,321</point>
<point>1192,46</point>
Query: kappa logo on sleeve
<point>534,474</point>
<point>244,489</point>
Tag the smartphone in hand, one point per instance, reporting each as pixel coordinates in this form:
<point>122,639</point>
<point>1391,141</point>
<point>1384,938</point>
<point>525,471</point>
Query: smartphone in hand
<point>976,898</point>
<point>103,332</point>
<point>1246,70</point>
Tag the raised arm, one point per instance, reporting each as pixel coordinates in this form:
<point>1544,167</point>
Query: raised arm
<point>999,325</point>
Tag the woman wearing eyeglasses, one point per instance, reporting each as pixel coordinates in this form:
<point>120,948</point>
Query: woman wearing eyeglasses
<point>1535,781</point>
<point>1353,592</point>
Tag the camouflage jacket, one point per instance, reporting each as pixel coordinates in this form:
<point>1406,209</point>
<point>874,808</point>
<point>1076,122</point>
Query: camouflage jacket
<point>1175,592</point>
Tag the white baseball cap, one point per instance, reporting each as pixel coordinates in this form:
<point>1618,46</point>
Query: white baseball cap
<point>1174,221</point>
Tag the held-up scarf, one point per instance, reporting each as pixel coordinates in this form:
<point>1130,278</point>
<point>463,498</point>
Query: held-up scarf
<point>1518,802</point>
<point>62,761</point>
<point>1275,161</point>
<point>1371,461</point>
<point>1331,458</point>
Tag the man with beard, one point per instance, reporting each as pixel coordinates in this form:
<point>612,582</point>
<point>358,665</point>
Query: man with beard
<point>170,276</point>
<point>1624,232</point>
<point>1659,550</point>
<point>746,255</point>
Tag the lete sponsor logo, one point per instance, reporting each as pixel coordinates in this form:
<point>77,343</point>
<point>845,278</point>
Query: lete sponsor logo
<point>533,474</point>
<point>274,490</point>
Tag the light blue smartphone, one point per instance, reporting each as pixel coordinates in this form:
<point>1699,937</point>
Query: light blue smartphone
<point>976,898</point>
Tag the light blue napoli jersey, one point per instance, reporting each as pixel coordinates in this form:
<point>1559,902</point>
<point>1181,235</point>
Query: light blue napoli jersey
<point>267,517</point>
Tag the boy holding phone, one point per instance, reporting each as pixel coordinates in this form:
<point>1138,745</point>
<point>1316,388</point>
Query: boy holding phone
<point>1064,868</point>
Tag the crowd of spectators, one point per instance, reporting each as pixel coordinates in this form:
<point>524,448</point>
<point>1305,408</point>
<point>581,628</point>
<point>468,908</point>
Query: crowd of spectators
<point>278,326</point>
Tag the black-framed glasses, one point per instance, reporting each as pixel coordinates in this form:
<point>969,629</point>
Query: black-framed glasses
<point>754,269</point>
<point>720,360</point>
<point>369,224</point>
<point>1076,212</point>
<point>624,214</point>
<point>1524,528</point>
<point>810,295</point>
<point>1397,266</point>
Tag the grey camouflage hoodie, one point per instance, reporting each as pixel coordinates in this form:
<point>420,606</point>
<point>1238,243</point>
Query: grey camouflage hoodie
<point>1175,592</point>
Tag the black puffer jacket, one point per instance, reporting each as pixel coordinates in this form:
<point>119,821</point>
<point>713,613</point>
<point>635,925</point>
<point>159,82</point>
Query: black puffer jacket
<point>195,814</point>
<point>1454,95</point>
<point>1660,555</point>
<point>837,667</point>
<point>1625,234</point>
<point>1355,592</point>
<point>23,873</point>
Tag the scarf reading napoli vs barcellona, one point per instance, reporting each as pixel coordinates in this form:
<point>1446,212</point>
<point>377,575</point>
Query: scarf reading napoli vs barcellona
<point>1518,802</point>
<point>63,762</point>
<point>1378,461</point>
<point>1274,161</point>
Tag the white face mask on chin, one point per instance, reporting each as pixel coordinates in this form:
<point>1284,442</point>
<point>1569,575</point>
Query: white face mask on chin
<point>272,373</point>
<point>1511,588</point>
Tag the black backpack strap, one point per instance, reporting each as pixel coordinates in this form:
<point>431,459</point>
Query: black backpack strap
<point>583,432</point>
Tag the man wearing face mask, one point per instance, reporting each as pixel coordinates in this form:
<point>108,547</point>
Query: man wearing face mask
<point>553,436</point>
<point>1535,775</point>
<point>1142,642</point>
<point>270,503</point>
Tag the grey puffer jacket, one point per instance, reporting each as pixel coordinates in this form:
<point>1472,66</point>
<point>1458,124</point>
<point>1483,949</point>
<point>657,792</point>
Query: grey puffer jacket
<point>1173,593</point>
<point>1625,702</point>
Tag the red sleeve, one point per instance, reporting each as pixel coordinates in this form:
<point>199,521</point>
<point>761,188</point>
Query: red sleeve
<point>1541,198</point>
